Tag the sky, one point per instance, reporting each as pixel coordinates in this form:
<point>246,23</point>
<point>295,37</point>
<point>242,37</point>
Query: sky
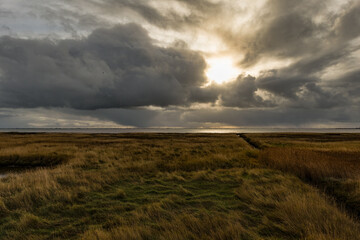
<point>179,63</point>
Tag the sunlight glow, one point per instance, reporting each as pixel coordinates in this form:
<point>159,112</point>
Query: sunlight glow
<point>221,70</point>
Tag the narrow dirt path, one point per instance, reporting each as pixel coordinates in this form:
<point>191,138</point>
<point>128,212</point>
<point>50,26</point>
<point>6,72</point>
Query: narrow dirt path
<point>249,141</point>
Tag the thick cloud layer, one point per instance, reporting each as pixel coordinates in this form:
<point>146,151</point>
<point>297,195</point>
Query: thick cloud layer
<point>116,67</point>
<point>293,29</point>
<point>303,57</point>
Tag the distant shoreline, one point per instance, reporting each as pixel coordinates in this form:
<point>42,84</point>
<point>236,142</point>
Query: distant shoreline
<point>181,130</point>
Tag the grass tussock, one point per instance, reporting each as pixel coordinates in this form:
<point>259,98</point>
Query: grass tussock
<point>330,162</point>
<point>158,186</point>
<point>296,211</point>
<point>314,165</point>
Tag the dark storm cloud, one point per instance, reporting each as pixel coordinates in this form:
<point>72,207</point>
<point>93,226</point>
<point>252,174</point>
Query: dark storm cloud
<point>282,85</point>
<point>242,93</point>
<point>116,67</point>
<point>310,35</point>
<point>301,91</point>
<point>207,94</point>
<point>349,86</point>
<point>120,67</point>
<point>347,25</point>
<point>282,28</point>
<point>293,29</point>
<point>120,71</point>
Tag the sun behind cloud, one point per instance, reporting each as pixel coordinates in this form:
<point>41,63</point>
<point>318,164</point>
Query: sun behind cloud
<point>221,69</point>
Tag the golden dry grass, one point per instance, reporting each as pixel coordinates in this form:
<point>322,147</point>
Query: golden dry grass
<point>329,161</point>
<point>314,165</point>
<point>158,186</point>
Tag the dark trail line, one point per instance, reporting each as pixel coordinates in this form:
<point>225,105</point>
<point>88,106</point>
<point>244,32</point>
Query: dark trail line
<point>252,143</point>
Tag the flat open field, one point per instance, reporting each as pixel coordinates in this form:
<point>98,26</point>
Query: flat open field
<point>179,186</point>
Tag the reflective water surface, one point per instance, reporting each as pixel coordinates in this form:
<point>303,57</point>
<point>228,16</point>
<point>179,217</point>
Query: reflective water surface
<point>182,130</point>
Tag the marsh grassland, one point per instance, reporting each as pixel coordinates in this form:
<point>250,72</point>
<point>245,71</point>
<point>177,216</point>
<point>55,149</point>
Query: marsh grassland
<point>179,186</point>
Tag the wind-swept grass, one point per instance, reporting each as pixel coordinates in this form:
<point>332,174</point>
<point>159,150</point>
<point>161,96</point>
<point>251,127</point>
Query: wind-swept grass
<point>314,165</point>
<point>159,186</point>
<point>329,161</point>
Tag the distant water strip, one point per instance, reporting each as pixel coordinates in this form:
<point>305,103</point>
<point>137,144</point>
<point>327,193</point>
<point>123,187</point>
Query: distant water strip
<point>180,130</point>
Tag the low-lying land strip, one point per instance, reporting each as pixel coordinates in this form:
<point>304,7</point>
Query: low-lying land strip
<point>160,186</point>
